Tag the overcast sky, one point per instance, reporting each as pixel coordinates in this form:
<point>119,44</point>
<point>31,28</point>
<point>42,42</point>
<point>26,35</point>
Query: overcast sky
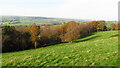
<point>79,9</point>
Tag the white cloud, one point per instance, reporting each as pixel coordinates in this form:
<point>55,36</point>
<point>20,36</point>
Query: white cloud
<point>81,9</point>
<point>90,9</point>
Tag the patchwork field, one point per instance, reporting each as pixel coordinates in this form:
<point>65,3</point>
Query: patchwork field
<point>98,49</point>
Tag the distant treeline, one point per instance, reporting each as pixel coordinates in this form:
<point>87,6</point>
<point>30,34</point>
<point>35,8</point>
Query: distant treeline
<point>16,38</point>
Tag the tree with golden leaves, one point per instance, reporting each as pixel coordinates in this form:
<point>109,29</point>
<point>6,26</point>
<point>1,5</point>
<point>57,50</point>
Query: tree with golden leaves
<point>70,31</point>
<point>49,35</point>
<point>34,30</point>
<point>98,25</point>
<point>115,26</point>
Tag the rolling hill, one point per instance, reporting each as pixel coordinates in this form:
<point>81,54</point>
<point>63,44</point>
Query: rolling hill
<point>98,49</point>
<point>25,20</point>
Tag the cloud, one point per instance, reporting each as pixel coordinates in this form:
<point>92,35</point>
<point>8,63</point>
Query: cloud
<point>81,9</point>
<point>92,9</point>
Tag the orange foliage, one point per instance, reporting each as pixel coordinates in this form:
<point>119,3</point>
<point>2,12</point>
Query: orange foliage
<point>98,25</point>
<point>49,35</point>
<point>34,30</point>
<point>70,31</point>
<point>115,26</point>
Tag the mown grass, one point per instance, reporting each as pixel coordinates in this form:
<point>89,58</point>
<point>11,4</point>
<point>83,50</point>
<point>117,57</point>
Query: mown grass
<point>96,50</point>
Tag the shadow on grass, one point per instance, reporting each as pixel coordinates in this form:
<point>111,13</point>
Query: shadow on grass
<point>85,39</point>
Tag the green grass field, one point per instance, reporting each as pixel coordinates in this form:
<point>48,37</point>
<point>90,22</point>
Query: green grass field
<point>98,49</point>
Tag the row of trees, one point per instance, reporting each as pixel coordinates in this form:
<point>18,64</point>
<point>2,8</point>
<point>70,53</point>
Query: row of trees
<point>27,37</point>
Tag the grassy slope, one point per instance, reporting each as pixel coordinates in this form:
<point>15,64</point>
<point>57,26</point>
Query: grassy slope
<point>95,50</point>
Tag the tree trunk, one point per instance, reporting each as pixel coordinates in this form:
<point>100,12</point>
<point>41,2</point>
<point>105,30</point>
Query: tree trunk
<point>35,44</point>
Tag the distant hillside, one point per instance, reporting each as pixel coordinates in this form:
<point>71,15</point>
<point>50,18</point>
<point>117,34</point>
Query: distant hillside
<point>33,19</point>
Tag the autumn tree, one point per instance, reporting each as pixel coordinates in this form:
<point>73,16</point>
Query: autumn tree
<point>49,35</point>
<point>85,30</point>
<point>70,31</point>
<point>101,26</point>
<point>115,26</point>
<point>98,25</point>
<point>19,37</point>
<point>9,38</point>
<point>25,37</point>
<point>94,23</point>
<point>34,30</point>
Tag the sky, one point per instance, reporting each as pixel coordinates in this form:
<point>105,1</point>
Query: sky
<point>78,9</point>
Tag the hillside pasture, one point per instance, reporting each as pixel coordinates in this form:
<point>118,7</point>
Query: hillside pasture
<point>98,49</point>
